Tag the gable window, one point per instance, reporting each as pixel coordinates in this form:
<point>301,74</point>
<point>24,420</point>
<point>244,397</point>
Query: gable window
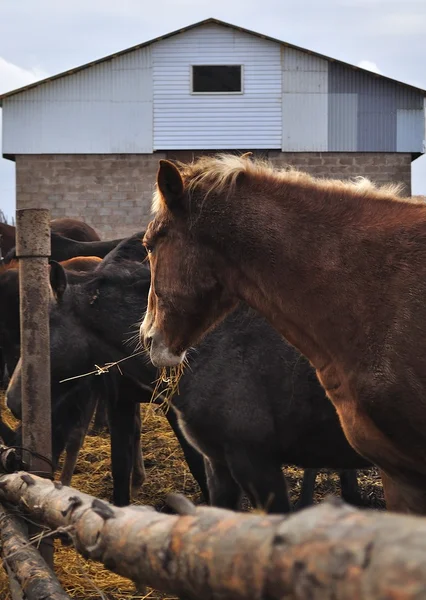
<point>217,79</point>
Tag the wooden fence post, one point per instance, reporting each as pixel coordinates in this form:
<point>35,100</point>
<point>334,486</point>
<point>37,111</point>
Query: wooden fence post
<point>33,251</point>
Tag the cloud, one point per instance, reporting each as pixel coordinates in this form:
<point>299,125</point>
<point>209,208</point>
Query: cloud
<point>12,76</point>
<point>370,66</point>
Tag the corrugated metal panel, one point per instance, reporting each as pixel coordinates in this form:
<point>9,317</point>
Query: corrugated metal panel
<point>408,98</point>
<point>305,82</point>
<point>295,60</point>
<point>424,129</point>
<point>379,126</point>
<point>410,129</point>
<point>305,125</point>
<point>104,109</point>
<point>376,119</point>
<point>305,102</point>
<point>342,122</point>
<point>185,121</point>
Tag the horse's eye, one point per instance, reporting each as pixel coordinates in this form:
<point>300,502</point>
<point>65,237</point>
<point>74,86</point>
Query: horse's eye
<point>148,248</point>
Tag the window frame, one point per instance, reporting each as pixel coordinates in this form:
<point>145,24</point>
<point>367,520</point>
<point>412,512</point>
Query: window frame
<point>203,64</point>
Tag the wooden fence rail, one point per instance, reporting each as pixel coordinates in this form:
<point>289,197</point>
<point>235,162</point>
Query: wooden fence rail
<point>25,564</point>
<point>330,551</point>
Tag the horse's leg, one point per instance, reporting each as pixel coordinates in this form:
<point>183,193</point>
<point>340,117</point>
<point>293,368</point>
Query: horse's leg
<point>261,477</point>
<point>224,491</point>
<point>100,424</point>
<point>401,497</point>
<point>75,441</point>
<point>121,413</point>
<point>306,497</point>
<point>350,488</point>
<point>193,458</point>
<point>138,472</point>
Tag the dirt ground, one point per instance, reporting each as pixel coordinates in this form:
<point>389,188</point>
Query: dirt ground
<point>166,471</point>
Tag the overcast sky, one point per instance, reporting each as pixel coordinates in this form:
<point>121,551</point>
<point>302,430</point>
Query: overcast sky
<point>44,37</point>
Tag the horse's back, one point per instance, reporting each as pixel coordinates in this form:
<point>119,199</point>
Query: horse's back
<point>74,229</point>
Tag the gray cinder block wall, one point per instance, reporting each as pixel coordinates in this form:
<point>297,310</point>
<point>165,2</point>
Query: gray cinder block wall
<point>113,192</point>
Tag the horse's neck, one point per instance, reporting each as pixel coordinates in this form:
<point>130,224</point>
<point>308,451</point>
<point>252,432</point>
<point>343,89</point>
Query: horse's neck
<point>285,306</point>
<point>106,245</point>
<point>293,270</point>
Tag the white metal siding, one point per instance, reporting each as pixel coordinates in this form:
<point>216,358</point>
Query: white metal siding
<point>186,121</point>
<point>141,101</point>
<point>104,109</point>
<point>304,102</point>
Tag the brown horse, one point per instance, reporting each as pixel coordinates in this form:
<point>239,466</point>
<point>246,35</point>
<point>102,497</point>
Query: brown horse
<point>338,268</point>
<point>74,229</point>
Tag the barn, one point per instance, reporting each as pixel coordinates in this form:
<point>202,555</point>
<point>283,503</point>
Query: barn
<point>86,142</point>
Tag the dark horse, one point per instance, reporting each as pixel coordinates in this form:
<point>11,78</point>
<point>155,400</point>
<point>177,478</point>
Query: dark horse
<point>71,414</point>
<point>81,310</point>
<point>9,307</point>
<point>10,337</point>
<point>69,238</point>
<point>73,228</point>
<point>338,268</point>
<point>64,248</point>
<point>67,227</point>
<point>249,402</point>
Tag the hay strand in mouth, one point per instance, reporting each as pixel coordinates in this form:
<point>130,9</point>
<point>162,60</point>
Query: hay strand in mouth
<point>170,376</point>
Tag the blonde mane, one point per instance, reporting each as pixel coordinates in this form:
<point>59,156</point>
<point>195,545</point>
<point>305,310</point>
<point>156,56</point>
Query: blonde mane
<point>218,174</point>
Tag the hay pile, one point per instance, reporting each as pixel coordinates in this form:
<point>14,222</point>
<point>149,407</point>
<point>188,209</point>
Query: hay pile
<point>166,471</point>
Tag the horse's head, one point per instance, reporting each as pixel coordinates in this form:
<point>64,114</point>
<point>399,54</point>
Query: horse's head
<point>187,297</point>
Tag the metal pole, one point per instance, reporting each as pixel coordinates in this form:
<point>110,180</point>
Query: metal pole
<point>33,251</point>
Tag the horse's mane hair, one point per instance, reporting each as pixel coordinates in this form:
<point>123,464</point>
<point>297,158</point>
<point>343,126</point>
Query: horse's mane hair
<point>219,174</point>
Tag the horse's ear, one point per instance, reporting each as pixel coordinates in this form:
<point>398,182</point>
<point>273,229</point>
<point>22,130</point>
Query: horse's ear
<point>170,184</point>
<point>58,280</point>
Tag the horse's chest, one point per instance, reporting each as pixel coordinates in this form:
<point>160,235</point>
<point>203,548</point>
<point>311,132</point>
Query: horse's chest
<point>367,438</point>
<point>332,382</point>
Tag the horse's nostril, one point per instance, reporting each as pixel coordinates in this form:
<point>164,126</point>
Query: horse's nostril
<point>147,341</point>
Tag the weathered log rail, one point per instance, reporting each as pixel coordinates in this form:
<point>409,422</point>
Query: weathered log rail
<point>328,551</point>
<point>25,563</point>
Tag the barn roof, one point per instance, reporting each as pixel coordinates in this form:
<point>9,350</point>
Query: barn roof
<point>210,20</point>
